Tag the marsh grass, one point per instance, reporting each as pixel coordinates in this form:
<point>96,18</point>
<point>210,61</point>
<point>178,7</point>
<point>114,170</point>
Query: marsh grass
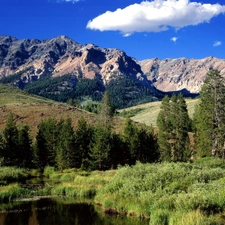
<point>76,183</point>
<point>11,192</point>
<point>9,174</point>
<point>160,217</point>
<point>163,191</point>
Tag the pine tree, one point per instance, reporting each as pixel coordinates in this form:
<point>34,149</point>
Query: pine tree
<point>210,116</point>
<point>181,150</point>
<point>119,154</point>
<point>101,147</point>
<point>131,139</point>
<point>164,128</point>
<point>65,149</point>
<point>46,142</point>
<point>173,125</point>
<point>147,149</point>
<point>83,136</point>
<point>107,109</point>
<point>11,140</point>
<point>25,148</point>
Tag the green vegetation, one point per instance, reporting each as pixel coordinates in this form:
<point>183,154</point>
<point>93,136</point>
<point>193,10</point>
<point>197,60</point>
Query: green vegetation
<point>209,119</point>
<point>173,126</point>
<point>58,88</point>
<point>166,193</point>
<point>57,144</point>
<point>127,92</point>
<point>14,96</point>
<point>147,113</point>
<point>11,192</point>
<point>161,192</point>
<point>9,174</point>
<point>186,187</point>
<point>107,109</point>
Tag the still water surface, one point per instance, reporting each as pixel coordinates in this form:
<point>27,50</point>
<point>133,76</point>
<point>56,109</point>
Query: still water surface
<point>59,212</point>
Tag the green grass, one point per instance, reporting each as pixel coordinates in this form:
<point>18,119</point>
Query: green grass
<point>76,183</point>
<point>162,191</point>
<point>11,95</point>
<point>147,113</point>
<point>165,193</point>
<point>11,192</point>
<point>9,174</point>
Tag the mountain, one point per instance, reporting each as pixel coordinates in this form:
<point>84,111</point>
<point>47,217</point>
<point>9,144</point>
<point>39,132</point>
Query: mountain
<point>77,69</point>
<point>187,75</point>
<point>60,56</point>
<point>60,68</point>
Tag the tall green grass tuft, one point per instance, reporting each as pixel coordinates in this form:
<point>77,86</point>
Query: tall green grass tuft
<point>76,183</point>
<point>11,192</point>
<point>9,174</point>
<point>159,217</point>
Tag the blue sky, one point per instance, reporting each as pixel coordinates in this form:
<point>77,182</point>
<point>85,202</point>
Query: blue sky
<point>143,29</point>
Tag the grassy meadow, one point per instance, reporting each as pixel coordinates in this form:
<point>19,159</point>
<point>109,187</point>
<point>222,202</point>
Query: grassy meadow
<point>147,113</point>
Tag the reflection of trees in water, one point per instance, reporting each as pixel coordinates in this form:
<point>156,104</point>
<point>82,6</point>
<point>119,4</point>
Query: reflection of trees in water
<point>19,215</point>
<point>68,214</point>
<point>50,212</point>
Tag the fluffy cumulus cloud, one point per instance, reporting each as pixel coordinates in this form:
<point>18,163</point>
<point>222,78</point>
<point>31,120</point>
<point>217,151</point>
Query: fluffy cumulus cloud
<point>155,16</point>
<point>217,43</point>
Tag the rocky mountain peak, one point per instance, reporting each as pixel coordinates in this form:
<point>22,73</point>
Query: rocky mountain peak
<point>171,75</point>
<point>61,55</point>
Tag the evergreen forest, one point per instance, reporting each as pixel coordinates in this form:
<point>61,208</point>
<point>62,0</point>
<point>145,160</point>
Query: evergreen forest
<point>177,138</point>
<point>125,91</point>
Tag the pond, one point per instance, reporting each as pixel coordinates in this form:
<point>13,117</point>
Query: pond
<point>59,212</point>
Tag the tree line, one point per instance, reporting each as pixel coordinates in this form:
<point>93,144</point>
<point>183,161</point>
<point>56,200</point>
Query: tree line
<point>58,144</point>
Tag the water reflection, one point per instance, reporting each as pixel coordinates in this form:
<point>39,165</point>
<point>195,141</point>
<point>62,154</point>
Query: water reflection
<point>55,212</point>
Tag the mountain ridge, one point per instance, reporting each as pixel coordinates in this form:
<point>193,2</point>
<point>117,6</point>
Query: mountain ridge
<point>178,74</point>
<point>33,59</point>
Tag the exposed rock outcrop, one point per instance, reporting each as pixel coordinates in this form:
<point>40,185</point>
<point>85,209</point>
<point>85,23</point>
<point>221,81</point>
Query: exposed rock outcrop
<point>60,56</point>
<point>171,75</point>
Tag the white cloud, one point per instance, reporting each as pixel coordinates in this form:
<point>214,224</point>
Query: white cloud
<point>217,43</point>
<point>156,16</point>
<point>174,39</point>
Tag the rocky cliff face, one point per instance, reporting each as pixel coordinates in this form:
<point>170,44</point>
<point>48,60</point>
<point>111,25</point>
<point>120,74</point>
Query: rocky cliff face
<point>60,56</point>
<point>171,75</point>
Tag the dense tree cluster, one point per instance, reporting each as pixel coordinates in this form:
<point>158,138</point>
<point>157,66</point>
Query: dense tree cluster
<point>127,92</point>
<point>57,144</point>
<point>173,126</point>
